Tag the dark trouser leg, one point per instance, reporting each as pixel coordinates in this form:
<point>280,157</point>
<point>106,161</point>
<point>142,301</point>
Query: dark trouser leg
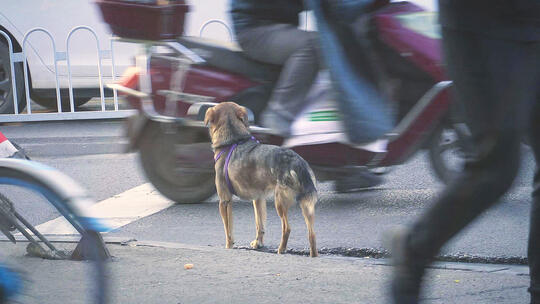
<point>494,81</point>
<point>297,51</point>
<point>534,232</point>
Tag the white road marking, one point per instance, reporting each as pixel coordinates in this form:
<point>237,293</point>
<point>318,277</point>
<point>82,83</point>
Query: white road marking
<point>119,210</point>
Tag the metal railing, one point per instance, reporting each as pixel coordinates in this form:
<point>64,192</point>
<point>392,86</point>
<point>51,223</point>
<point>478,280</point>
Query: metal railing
<point>60,56</point>
<point>30,114</point>
<point>221,22</point>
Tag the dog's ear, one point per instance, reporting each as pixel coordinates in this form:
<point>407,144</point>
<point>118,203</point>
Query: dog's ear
<point>242,114</point>
<point>209,116</point>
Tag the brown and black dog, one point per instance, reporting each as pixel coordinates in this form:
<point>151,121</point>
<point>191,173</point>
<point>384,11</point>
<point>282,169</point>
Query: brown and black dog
<point>252,171</point>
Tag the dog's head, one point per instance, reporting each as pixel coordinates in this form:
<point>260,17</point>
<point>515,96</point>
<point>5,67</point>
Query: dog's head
<point>228,123</point>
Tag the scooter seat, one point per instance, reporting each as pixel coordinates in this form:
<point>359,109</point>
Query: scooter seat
<point>228,56</point>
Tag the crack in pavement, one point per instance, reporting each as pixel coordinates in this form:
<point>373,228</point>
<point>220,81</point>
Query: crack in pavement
<point>383,253</point>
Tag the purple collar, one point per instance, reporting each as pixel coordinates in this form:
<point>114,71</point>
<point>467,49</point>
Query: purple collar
<point>226,167</point>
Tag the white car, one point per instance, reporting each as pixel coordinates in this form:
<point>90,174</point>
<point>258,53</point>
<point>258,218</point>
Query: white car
<point>59,17</point>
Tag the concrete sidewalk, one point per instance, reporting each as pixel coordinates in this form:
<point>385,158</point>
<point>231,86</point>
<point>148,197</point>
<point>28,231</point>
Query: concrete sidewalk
<point>149,272</point>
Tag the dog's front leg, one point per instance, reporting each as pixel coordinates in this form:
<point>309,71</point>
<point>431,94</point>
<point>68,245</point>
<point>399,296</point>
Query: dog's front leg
<point>225,209</point>
<point>259,206</point>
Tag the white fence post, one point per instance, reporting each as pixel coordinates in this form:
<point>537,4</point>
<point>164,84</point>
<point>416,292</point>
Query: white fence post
<point>60,56</point>
<point>100,76</point>
<point>27,84</point>
<point>115,92</point>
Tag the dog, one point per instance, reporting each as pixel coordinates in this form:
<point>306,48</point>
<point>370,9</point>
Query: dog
<point>251,170</point>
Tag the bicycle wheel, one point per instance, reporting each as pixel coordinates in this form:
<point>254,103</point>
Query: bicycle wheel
<point>72,201</point>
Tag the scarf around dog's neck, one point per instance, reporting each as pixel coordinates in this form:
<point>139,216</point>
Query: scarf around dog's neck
<point>232,147</point>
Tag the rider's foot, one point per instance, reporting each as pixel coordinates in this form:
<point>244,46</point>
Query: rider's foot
<point>357,178</point>
<point>277,122</point>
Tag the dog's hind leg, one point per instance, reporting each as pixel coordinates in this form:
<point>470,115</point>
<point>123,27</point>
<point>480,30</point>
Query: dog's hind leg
<point>259,207</point>
<point>283,201</point>
<point>307,204</point>
<point>225,210</point>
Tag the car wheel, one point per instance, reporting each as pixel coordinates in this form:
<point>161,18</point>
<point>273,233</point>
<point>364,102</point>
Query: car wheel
<point>50,103</point>
<point>6,92</point>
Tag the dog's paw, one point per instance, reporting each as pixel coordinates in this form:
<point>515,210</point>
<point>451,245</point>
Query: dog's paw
<point>229,245</point>
<point>256,244</point>
<point>281,250</point>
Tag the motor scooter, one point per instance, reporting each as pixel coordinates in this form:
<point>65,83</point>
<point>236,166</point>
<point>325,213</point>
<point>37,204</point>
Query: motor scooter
<point>176,81</point>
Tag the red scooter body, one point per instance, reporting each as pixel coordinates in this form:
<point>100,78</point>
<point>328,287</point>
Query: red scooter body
<point>412,58</point>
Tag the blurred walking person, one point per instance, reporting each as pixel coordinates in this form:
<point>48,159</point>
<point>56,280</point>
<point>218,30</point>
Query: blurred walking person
<point>492,50</point>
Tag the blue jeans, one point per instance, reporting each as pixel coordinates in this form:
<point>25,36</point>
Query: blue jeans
<point>297,51</point>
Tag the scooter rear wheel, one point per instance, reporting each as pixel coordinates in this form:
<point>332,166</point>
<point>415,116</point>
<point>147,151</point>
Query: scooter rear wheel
<point>178,162</point>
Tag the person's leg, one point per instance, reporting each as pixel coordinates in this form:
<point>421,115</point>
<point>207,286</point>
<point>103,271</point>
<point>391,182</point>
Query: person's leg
<point>298,52</point>
<point>534,232</point>
<point>492,80</point>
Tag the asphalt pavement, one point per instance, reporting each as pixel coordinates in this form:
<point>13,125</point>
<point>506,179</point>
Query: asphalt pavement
<point>346,224</point>
<point>152,272</point>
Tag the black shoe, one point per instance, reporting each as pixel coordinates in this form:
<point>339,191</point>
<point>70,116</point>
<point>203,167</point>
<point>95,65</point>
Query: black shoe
<point>535,295</point>
<point>357,178</point>
<point>408,270</point>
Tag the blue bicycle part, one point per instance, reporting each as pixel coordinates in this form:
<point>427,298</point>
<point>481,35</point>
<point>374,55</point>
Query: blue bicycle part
<point>10,283</point>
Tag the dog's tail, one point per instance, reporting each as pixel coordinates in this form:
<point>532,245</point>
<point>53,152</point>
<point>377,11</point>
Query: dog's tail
<point>305,181</point>
<point>307,198</point>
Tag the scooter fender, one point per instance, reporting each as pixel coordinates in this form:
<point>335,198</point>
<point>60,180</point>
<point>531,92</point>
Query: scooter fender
<point>136,125</point>
<point>134,129</point>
